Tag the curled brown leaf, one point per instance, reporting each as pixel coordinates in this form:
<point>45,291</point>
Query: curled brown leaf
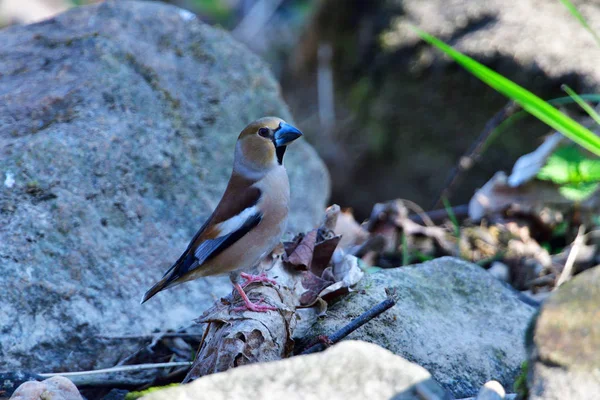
<point>301,257</point>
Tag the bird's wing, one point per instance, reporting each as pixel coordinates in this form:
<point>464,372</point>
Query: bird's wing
<point>235,216</point>
<point>242,224</point>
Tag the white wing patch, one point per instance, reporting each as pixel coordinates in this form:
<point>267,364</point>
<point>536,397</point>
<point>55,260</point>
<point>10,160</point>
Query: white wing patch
<point>234,223</point>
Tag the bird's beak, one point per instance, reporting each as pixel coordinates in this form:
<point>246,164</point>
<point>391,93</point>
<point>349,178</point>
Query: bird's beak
<point>285,134</point>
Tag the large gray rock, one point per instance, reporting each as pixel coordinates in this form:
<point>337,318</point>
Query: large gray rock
<point>348,370</point>
<point>564,352</point>
<point>401,103</point>
<point>452,318</point>
<point>117,128</point>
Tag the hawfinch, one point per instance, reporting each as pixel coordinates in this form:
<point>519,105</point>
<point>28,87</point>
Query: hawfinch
<point>250,218</point>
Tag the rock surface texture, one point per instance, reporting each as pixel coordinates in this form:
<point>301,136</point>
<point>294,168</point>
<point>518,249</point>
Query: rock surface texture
<point>401,103</point>
<point>117,128</point>
<point>348,370</point>
<point>452,318</point>
<point>563,353</point>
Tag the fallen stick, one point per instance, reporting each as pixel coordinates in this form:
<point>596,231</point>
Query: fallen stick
<point>352,326</point>
<point>88,378</point>
<point>568,269</point>
<point>124,368</point>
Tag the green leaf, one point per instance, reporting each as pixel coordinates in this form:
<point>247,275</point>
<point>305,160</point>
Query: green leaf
<point>530,102</point>
<point>568,165</point>
<point>579,191</point>
<point>136,395</point>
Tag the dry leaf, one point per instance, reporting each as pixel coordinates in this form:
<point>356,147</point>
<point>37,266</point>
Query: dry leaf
<point>322,254</point>
<point>527,167</point>
<point>347,273</point>
<point>331,217</point>
<point>314,285</point>
<point>352,233</point>
<point>302,255</point>
<point>235,338</point>
<point>497,195</point>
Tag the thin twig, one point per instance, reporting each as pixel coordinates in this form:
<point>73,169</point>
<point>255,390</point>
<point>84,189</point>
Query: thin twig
<point>256,19</point>
<point>353,325</point>
<point>542,281</point>
<point>568,269</point>
<point>472,155</point>
<point>414,207</point>
<point>152,336</point>
<point>124,368</point>
<point>325,89</point>
<point>436,216</point>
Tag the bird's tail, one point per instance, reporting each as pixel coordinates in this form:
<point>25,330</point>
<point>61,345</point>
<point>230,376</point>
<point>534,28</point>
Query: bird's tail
<point>164,283</point>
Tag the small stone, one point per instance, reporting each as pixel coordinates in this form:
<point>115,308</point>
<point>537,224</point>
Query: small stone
<point>492,390</point>
<point>500,271</point>
<point>55,388</point>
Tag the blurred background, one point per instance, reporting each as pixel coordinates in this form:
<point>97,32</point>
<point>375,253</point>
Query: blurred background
<point>390,116</point>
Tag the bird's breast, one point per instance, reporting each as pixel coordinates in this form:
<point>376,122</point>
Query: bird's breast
<point>249,249</point>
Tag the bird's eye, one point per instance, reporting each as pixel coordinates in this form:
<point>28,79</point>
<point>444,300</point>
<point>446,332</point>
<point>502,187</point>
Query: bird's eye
<point>264,132</point>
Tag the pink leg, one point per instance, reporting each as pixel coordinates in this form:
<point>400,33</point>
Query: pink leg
<point>248,305</point>
<point>256,278</point>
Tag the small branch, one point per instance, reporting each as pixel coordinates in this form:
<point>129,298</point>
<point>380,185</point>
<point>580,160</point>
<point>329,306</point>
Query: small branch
<point>152,336</point>
<point>256,19</point>
<point>353,325</point>
<point>568,269</point>
<point>436,216</point>
<point>325,89</point>
<point>124,368</point>
<point>467,161</point>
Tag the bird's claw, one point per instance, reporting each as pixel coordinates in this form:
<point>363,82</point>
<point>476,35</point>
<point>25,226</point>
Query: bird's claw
<point>249,305</point>
<point>256,307</point>
<point>256,278</point>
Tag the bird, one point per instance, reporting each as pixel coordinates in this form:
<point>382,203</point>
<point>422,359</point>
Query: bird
<point>250,218</point>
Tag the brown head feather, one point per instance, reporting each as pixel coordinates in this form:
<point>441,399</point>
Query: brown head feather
<point>256,151</point>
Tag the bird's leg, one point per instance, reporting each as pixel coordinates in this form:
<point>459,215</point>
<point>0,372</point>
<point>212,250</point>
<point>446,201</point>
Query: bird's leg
<point>256,278</point>
<point>248,305</point>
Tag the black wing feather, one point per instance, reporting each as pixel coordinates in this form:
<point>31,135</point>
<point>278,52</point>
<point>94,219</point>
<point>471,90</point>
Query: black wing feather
<point>211,248</point>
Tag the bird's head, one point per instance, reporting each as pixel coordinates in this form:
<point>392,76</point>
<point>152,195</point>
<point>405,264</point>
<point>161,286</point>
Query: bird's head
<point>261,145</point>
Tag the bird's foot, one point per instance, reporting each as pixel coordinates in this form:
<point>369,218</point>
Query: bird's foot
<point>249,305</point>
<point>256,278</point>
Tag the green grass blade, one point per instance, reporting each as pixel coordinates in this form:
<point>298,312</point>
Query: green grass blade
<point>452,216</point>
<point>530,102</point>
<point>586,107</point>
<point>575,12</point>
<point>513,119</point>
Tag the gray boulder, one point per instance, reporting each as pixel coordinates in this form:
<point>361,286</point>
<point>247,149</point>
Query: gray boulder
<point>452,318</point>
<point>117,128</point>
<point>564,350</point>
<point>348,370</point>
